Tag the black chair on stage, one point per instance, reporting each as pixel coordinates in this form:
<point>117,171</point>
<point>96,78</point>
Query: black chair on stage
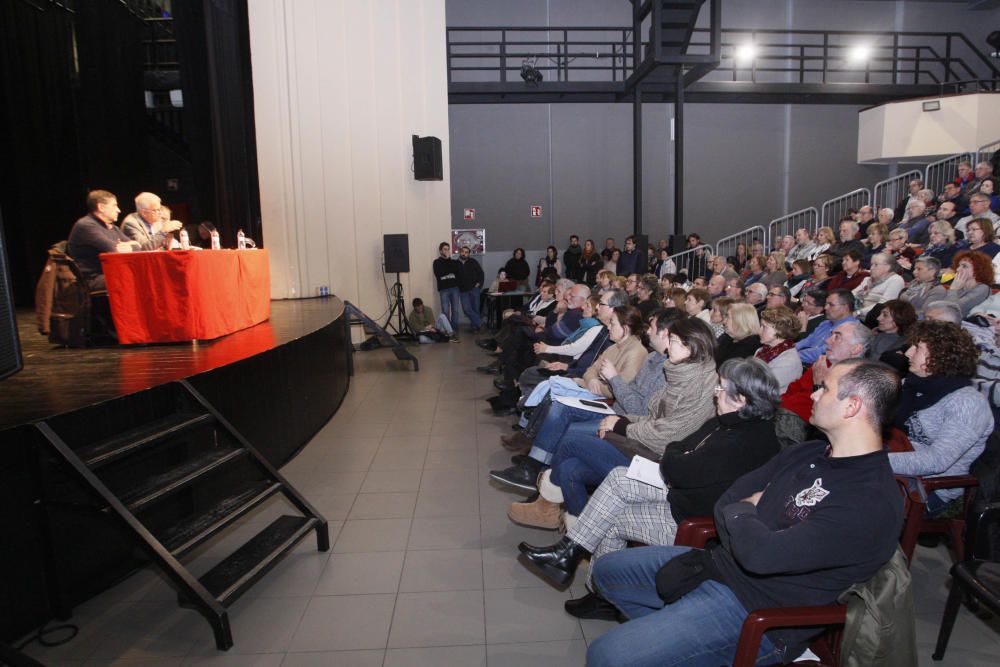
<point>69,311</point>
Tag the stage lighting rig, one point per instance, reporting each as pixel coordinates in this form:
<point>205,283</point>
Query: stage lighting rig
<point>531,74</point>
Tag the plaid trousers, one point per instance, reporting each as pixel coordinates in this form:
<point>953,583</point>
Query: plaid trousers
<point>623,509</point>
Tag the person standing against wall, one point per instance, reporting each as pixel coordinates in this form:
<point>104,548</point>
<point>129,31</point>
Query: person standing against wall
<point>446,271</point>
<point>470,282</point>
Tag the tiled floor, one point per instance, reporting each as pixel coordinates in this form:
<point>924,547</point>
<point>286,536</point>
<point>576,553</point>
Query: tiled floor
<point>422,569</point>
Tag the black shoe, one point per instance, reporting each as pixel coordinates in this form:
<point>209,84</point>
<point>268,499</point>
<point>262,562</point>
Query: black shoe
<point>490,369</point>
<point>592,606</point>
<point>488,344</point>
<point>521,476</point>
<point>516,427</point>
<point>503,385</point>
<point>518,459</point>
<point>556,563</point>
<point>505,411</point>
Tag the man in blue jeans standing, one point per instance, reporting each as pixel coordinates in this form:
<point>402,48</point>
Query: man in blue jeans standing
<point>470,282</point>
<point>446,271</point>
<point>798,531</point>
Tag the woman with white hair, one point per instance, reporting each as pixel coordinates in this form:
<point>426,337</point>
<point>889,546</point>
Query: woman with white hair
<point>882,284</point>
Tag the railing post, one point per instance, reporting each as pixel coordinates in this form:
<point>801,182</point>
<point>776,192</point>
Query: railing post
<point>826,53</point>
<point>503,56</point>
<point>916,66</point>
<point>947,59</point>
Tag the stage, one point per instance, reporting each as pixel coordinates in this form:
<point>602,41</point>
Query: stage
<point>277,383</point>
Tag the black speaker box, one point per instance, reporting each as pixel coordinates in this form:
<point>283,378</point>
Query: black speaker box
<point>427,165</point>
<point>396,248</point>
<point>10,344</point>
<point>678,243</point>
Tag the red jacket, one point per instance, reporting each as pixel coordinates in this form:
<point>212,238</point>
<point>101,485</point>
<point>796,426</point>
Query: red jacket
<point>841,281</point>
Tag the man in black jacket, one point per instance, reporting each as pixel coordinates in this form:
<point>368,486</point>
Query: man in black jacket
<point>797,531</point>
<point>95,233</point>
<point>470,283</point>
<point>446,273</point>
<point>571,259</point>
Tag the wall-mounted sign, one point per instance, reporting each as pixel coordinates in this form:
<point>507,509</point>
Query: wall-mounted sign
<point>474,239</point>
<point>536,211</point>
<point>470,214</point>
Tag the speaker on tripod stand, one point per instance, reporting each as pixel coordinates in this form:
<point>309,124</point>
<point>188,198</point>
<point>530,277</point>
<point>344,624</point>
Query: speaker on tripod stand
<point>396,254</point>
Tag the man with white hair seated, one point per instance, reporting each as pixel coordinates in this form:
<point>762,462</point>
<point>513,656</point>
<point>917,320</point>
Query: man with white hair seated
<point>866,216</point>
<point>983,171</point>
<point>804,247</point>
<point>917,227</point>
<point>144,225</point>
<point>886,216</point>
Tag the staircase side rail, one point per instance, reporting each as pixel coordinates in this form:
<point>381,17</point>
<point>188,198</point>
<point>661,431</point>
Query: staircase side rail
<point>835,209</point>
<point>726,246</point>
<point>807,218</point>
<point>986,152</point>
<point>945,170</point>
<point>888,193</point>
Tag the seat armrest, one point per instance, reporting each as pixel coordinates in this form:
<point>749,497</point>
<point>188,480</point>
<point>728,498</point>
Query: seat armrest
<point>695,532</point>
<point>760,621</point>
<point>949,482</point>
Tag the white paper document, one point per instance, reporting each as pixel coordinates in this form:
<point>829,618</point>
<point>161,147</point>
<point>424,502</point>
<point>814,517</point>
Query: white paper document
<point>645,471</point>
<point>598,407</point>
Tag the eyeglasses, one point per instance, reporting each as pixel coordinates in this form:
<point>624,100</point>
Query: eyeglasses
<point>718,388</point>
<point>606,305</point>
<point>775,294</point>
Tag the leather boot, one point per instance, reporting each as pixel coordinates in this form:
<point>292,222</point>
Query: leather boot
<point>518,442</point>
<point>556,563</point>
<point>538,514</point>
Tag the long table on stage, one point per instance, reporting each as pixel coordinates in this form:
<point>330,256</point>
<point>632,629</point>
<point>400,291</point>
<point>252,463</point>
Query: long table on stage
<point>184,295</point>
<point>277,383</point>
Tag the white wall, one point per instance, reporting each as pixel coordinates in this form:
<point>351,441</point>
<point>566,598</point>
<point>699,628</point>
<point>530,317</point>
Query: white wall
<point>904,131</point>
<point>339,88</point>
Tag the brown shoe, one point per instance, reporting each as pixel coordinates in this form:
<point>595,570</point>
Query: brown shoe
<point>538,514</point>
<point>517,442</point>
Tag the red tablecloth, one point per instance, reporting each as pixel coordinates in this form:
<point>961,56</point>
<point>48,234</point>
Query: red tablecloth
<point>181,295</point>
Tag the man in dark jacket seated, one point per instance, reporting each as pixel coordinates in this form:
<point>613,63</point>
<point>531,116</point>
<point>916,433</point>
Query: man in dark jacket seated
<point>96,233</point>
<point>798,531</point>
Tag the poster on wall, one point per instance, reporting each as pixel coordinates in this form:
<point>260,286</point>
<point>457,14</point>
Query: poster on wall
<point>474,239</point>
<point>469,214</point>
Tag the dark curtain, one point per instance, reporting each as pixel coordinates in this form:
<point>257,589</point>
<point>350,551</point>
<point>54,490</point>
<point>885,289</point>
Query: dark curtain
<point>112,103</point>
<point>65,131</point>
<point>213,45</point>
<point>40,193</point>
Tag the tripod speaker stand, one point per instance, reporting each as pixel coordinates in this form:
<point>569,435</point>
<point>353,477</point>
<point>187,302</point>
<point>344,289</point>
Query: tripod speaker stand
<point>401,328</point>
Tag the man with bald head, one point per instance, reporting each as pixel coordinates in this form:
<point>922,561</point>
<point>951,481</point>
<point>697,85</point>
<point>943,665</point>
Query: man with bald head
<point>144,225</point>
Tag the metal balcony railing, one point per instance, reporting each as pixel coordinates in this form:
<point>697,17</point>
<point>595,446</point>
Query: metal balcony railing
<point>587,54</point>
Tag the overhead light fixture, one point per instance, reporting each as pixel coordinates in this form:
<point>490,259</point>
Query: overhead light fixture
<point>745,53</point>
<point>859,54</point>
<point>993,39</point>
<point>531,74</point>
<point>932,105</point>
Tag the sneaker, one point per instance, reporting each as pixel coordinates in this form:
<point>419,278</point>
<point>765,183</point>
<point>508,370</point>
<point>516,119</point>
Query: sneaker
<point>523,476</point>
<point>454,339</point>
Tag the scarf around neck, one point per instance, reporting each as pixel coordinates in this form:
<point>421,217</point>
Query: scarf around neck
<point>769,353</point>
<point>920,393</point>
<point>585,323</point>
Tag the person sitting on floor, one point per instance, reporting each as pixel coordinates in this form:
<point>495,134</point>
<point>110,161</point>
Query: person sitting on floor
<point>798,531</point>
<point>696,471</point>
<point>429,329</point>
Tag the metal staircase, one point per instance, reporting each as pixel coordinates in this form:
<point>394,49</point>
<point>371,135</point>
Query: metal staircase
<point>177,480</point>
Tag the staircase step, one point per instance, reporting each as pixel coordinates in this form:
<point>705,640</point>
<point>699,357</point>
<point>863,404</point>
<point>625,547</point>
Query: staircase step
<point>159,486</point>
<point>139,437</point>
<point>234,575</point>
<point>191,532</point>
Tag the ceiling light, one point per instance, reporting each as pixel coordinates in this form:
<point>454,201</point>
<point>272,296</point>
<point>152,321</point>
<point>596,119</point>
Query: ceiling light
<point>745,53</point>
<point>859,54</point>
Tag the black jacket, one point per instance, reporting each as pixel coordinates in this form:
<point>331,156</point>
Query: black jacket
<point>517,269</point>
<point>589,267</point>
<point>699,468</point>
<point>446,271</point>
<point>571,262</point>
<point>730,349</point>
<point>470,274</point>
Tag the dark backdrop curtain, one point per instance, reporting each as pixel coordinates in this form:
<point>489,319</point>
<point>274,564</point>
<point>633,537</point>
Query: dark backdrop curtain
<point>40,193</point>
<point>65,131</point>
<point>213,46</point>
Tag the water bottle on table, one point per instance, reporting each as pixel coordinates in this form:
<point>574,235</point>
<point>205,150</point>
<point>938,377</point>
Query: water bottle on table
<point>241,240</point>
<point>216,245</point>
<point>185,242</point>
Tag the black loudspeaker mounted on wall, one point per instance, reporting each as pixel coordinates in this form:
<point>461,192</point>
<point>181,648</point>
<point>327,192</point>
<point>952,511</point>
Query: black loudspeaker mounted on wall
<point>396,249</point>
<point>641,241</point>
<point>10,344</point>
<point>427,165</point>
<point>678,243</point>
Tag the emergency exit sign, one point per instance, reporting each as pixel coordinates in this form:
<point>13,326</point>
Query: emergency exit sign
<point>536,211</point>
